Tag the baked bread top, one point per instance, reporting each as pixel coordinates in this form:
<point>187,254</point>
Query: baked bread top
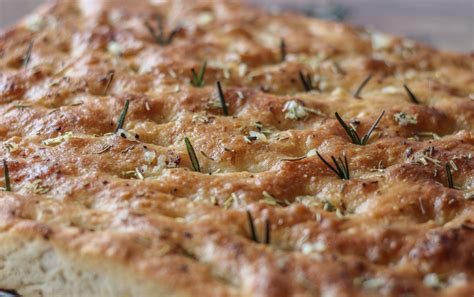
<point>255,210</point>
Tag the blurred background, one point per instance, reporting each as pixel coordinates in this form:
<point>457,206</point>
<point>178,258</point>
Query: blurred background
<point>446,24</point>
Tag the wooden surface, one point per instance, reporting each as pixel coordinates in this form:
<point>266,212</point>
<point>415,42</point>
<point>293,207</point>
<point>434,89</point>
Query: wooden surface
<point>442,23</point>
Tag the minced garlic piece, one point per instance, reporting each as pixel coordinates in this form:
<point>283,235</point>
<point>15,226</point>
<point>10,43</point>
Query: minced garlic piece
<point>311,153</point>
<point>242,69</point>
<point>149,156</point>
<point>469,194</point>
<point>380,41</point>
<point>318,246</point>
<point>255,136</point>
<point>404,119</point>
<point>205,18</point>
<point>338,91</point>
<point>258,135</point>
<point>34,23</point>
<point>295,110</point>
<point>390,90</point>
<point>114,48</point>
<point>160,165</point>
<point>410,74</point>
<point>432,280</point>
<point>373,283</point>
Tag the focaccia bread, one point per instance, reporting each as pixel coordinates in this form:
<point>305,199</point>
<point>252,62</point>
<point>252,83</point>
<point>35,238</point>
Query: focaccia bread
<point>130,174</point>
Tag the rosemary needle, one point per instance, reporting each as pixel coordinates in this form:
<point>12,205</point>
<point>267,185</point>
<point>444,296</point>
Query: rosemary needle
<point>362,85</point>
<point>449,175</point>
<point>6,173</point>
<point>366,137</point>
<point>253,233</point>
<point>109,78</point>
<point>267,231</point>
<point>222,98</point>
<point>192,155</point>
<point>306,81</point>
<point>411,95</point>
<point>282,50</point>
<point>26,58</point>
<point>123,114</point>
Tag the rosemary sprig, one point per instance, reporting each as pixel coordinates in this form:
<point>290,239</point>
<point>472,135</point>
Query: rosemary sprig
<point>282,50</point>
<point>449,175</point>
<point>123,114</point>
<point>411,95</point>
<point>198,79</point>
<point>27,56</point>
<point>222,98</point>
<point>353,134</point>
<point>306,81</point>
<point>192,155</point>
<point>341,168</point>
<point>253,232</point>
<point>361,86</point>
<point>109,77</point>
<point>159,34</point>
<point>6,174</point>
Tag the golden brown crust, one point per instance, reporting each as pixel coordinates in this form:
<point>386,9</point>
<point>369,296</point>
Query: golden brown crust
<point>394,228</point>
